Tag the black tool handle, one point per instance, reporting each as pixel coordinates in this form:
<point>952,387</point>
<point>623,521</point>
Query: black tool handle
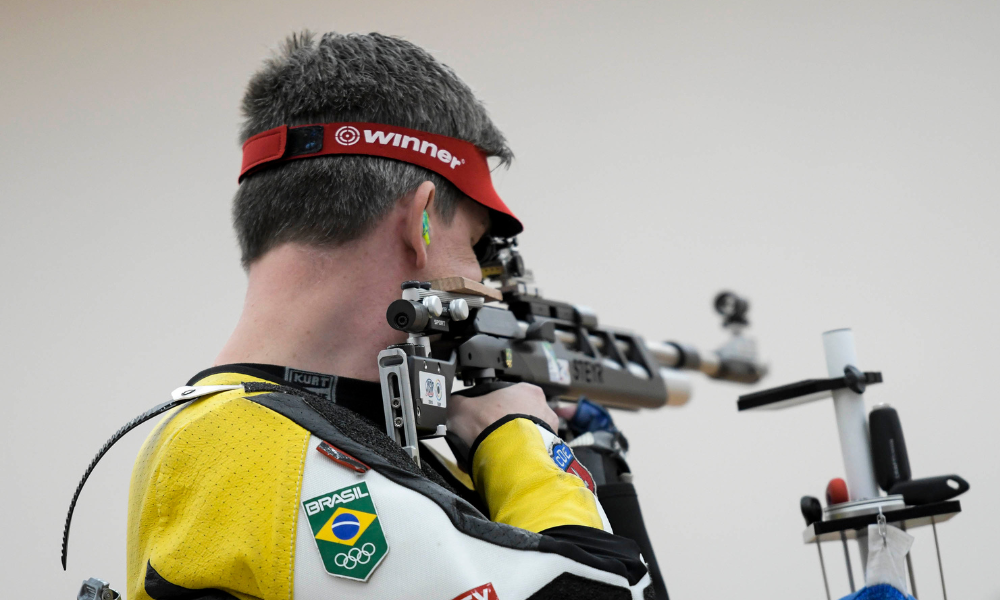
<point>930,489</point>
<point>892,464</point>
<point>812,510</point>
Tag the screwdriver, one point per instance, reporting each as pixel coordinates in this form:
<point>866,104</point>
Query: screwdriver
<point>812,512</point>
<point>836,493</point>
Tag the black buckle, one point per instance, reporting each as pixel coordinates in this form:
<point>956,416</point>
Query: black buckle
<point>304,140</point>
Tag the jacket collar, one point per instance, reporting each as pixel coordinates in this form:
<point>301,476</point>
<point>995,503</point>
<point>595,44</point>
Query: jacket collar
<point>359,396</point>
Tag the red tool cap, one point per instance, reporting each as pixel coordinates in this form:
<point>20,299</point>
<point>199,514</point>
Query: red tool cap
<point>836,492</point>
<point>458,161</point>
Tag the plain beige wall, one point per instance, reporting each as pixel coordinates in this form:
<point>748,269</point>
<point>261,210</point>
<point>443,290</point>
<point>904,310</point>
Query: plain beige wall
<point>835,161</point>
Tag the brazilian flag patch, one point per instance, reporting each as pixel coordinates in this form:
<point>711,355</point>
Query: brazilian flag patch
<point>347,531</point>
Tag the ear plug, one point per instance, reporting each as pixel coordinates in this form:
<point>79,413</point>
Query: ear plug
<point>426,229</point>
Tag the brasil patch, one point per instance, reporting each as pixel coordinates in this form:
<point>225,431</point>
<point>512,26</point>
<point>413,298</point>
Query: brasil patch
<point>347,531</point>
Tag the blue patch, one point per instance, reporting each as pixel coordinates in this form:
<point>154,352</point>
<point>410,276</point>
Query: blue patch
<point>345,526</point>
<point>562,456</point>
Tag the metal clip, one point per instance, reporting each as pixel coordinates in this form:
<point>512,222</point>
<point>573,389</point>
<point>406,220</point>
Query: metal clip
<point>397,400</point>
<point>881,527</point>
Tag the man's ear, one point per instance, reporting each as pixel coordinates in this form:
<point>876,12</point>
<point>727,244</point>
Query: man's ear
<point>413,233</point>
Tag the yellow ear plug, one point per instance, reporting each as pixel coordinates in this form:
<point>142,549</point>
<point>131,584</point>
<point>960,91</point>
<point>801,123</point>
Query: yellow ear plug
<point>427,229</point>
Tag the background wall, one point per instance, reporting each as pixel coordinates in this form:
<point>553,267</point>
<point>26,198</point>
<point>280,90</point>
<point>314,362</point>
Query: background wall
<point>836,162</point>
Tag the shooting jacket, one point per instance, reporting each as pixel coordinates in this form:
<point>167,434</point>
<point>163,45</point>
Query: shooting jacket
<point>270,491</point>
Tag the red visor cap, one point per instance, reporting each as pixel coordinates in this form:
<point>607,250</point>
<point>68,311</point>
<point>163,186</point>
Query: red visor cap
<point>458,161</point>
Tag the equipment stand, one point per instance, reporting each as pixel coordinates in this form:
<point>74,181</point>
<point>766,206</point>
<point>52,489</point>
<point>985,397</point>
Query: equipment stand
<point>850,519</point>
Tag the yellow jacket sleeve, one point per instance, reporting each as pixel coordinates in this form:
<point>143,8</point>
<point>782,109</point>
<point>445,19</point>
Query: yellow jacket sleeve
<point>521,483</point>
<point>213,500</point>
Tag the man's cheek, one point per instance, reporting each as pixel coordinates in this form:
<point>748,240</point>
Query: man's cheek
<point>450,261</point>
<point>472,269</point>
<point>467,267</point>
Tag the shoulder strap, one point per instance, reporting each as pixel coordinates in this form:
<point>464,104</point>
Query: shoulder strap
<point>180,396</point>
<point>359,439</point>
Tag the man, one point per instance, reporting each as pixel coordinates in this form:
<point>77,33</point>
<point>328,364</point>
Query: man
<point>279,480</point>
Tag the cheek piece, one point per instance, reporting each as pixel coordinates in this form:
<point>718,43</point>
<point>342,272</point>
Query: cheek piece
<point>458,161</point>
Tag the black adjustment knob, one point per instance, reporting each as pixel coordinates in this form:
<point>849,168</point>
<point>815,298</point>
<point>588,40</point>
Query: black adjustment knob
<point>408,316</point>
<point>733,308</point>
<point>855,379</point>
<point>411,284</point>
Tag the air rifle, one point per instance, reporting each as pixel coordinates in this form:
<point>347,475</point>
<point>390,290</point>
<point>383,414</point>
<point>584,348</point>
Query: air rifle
<point>485,335</point>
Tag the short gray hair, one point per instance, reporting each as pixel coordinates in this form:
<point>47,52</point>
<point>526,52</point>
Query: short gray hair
<point>369,78</point>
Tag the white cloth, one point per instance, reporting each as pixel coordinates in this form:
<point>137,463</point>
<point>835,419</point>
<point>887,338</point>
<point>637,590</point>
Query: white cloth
<point>887,559</point>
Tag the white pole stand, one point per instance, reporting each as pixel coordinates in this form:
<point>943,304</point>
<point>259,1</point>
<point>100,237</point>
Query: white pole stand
<point>852,420</point>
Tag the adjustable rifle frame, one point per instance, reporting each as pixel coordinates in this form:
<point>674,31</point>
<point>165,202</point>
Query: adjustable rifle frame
<point>480,334</point>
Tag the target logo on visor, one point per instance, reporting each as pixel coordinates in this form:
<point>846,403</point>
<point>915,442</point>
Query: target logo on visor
<point>347,135</point>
